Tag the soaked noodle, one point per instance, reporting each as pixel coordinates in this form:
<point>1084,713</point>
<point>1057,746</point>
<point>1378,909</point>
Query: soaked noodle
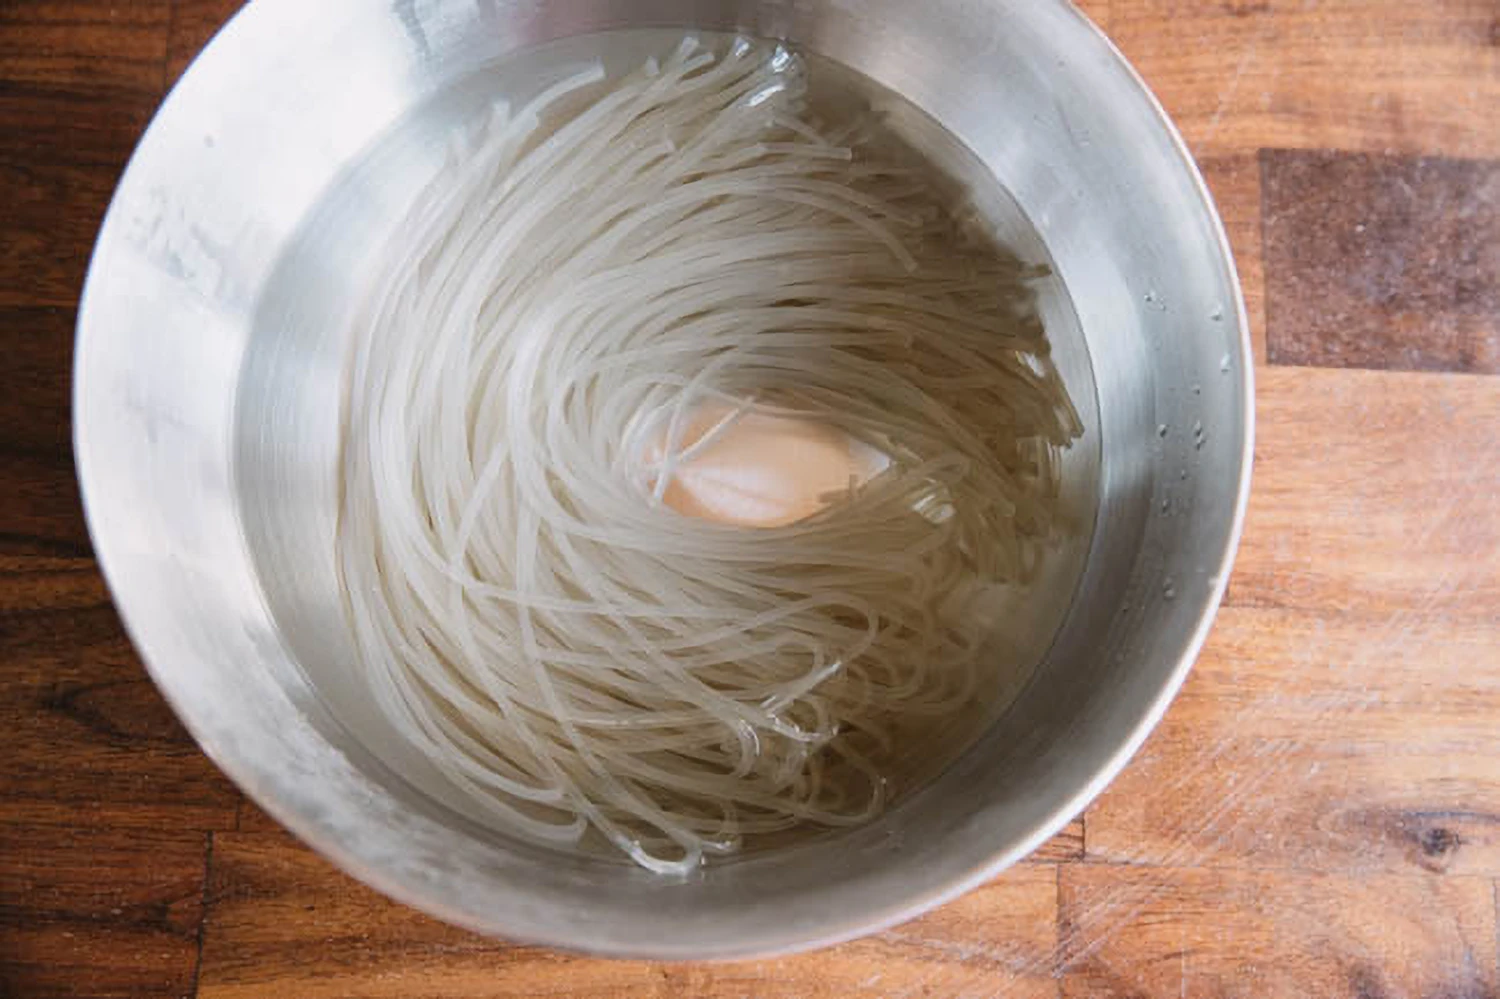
<point>584,276</point>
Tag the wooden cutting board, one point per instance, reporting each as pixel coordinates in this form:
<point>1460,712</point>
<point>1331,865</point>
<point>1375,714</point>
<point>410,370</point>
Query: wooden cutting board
<point>1319,815</point>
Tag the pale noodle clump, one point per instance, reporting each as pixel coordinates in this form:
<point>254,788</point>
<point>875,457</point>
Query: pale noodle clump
<point>584,276</point>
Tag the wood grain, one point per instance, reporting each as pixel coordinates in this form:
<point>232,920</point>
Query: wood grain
<point>1065,847</point>
<point>1319,815</point>
<point>194,23</point>
<point>1209,933</point>
<point>99,912</point>
<point>86,738</point>
<point>1235,184</point>
<point>78,82</point>
<point>1374,495</point>
<point>1319,743</point>
<point>1097,11</point>
<point>105,45</point>
<point>1383,261</point>
<point>1358,75</point>
<point>87,741</point>
<point>1343,715</point>
<point>36,406</point>
<point>283,922</point>
<point>42,513</point>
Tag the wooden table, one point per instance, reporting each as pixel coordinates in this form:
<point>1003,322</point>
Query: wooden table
<point>1319,816</point>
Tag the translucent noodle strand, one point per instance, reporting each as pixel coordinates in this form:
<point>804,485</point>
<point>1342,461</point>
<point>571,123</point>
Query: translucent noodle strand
<point>584,275</point>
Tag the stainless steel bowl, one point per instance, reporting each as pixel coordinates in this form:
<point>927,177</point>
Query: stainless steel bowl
<point>206,405</point>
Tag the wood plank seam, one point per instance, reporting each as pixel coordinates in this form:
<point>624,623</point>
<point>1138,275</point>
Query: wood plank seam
<point>1236,865</point>
<point>204,901</point>
<point>1330,936</point>
<point>1079,926</point>
<point>1058,971</point>
<point>49,547</point>
<point>1267,308</point>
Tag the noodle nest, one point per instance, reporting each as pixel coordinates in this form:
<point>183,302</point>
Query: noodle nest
<point>584,276</point>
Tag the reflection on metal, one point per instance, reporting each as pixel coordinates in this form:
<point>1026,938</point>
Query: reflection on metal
<point>173,470</point>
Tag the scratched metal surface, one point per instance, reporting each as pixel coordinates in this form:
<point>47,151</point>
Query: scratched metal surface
<point>1319,815</point>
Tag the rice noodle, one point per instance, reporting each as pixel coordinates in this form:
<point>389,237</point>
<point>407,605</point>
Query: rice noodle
<point>584,275</point>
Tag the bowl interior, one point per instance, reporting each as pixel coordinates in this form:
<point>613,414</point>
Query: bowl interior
<point>210,357</point>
